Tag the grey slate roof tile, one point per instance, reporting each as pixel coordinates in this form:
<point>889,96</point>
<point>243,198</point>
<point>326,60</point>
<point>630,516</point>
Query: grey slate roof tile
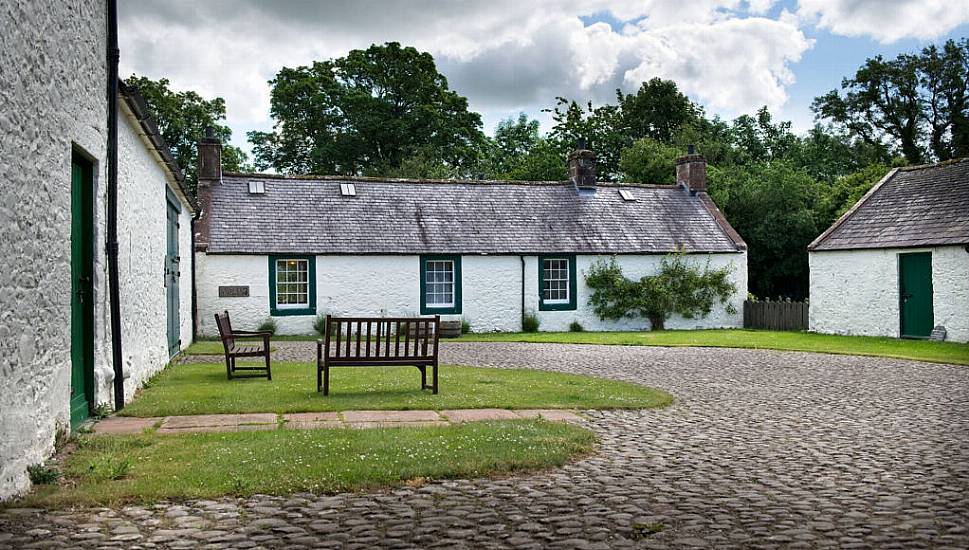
<point>309,216</point>
<point>918,206</point>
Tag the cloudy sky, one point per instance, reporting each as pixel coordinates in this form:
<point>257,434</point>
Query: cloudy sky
<point>508,56</point>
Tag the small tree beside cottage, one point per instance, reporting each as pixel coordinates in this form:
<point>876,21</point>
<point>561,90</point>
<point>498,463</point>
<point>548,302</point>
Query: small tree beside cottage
<point>678,287</point>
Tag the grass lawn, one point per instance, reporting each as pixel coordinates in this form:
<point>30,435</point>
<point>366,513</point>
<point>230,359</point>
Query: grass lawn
<point>108,470</point>
<point>919,350</point>
<point>199,388</point>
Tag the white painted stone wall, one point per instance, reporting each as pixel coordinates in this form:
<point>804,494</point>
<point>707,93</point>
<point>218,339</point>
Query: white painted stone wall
<point>52,66</point>
<point>390,285</point>
<point>634,267</point>
<point>856,291</point>
<point>143,244</point>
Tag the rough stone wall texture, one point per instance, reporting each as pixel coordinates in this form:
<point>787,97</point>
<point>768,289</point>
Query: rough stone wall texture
<point>856,291</point>
<point>143,244</point>
<point>52,66</point>
<point>390,285</point>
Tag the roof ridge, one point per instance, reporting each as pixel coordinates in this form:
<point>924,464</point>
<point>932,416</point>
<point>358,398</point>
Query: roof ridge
<point>940,164</point>
<point>379,179</point>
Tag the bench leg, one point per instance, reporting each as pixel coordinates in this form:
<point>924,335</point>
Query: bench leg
<point>435,378</point>
<point>269,372</point>
<point>228,367</point>
<point>423,377</point>
<point>326,379</point>
<point>319,378</point>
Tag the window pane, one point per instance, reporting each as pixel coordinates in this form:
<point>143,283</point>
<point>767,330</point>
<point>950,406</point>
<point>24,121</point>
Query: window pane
<point>555,280</point>
<point>292,282</point>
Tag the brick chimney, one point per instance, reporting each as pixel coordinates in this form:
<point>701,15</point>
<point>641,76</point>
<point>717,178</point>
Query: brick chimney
<point>691,171</point>
<point>209,174</point>
<point>210,158</point>
<point>582,167</point>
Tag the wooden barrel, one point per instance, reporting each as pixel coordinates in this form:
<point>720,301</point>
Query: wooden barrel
<point>450,329</point>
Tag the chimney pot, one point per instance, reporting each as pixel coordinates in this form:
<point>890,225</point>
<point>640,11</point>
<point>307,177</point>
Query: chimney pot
<point>691,171</point>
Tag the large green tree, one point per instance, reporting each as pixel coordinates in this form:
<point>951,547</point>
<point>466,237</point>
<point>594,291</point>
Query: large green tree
<point>916,104</point>
<point>773,205</point>
<point>181,118</point>
<point>657,111</point>
<point>367,113</point>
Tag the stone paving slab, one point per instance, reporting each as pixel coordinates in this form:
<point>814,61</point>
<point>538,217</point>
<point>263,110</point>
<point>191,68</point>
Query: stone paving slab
<point>205,420</point>
<point>472,415</point>
<point>210,423</point>
<point>125,425</point>
<point>391,416</point>
<point>552,415</point>
<point>312,417</point>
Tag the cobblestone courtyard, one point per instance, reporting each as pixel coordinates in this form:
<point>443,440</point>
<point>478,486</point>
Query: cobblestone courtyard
<point>761,449</point>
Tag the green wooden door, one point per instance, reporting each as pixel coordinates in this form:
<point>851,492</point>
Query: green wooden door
<point>172,274</point>
<point>82,289</point>
<point>915,294</point>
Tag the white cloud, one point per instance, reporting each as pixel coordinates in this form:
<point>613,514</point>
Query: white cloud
<point>504,55</point>
<point>886,20</point>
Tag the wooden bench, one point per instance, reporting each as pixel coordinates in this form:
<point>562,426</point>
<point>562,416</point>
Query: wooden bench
<point>233,350</point>
<point>378,342</point>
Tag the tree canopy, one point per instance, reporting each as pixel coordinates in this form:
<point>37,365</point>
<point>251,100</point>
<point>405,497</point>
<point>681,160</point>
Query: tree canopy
<point>365,114</point>
<point>916,104</point>
<point>181,118</point>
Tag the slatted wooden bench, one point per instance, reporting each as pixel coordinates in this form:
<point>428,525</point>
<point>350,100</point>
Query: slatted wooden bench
<point>233,350</point>
<point>378,342</point>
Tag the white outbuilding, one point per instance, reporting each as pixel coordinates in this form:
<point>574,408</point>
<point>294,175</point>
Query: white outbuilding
<point>484,252</point>
<point>897,263</point>
<point>60,361</point>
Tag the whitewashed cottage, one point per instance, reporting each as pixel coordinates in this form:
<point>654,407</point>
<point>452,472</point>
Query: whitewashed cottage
<point>897,263</point>
<point>486,252</point>
<point>59,357</point>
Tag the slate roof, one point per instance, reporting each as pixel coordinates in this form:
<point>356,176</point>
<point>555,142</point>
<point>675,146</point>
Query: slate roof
<point>909,207</point>
<point>389,216</point>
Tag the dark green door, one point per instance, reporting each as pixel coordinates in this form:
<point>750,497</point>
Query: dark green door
<point>82,289</point>
<point>172,275</point>
<point>915,294</point>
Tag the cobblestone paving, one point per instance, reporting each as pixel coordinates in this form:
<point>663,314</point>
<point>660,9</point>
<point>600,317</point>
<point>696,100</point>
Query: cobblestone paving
<point>762,449</point>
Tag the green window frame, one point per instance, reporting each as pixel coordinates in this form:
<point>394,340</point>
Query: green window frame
<point>551,284</point>
<point>435,283</point>
<point>291,290</point>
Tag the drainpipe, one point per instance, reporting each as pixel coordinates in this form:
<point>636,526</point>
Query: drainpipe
<point>112,222</point>
<point>195,306</point>
<point>522,258</point>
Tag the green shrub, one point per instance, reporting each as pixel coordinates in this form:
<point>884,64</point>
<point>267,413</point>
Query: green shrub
<point>102,411</point>
<point>530,322</point>
<point>576,326</point>
<point>319,324</point>
<point>465,327</point>
<point>269,325</point>
<point>41,474</point>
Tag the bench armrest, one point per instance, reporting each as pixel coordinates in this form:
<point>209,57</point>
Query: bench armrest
<point>251,333</point>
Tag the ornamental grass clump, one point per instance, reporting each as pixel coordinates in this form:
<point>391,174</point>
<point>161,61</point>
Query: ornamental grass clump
<point>679,287</point>
<point>269,325</point>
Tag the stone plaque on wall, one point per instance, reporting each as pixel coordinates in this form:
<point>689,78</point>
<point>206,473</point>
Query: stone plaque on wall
<point>233,292</point>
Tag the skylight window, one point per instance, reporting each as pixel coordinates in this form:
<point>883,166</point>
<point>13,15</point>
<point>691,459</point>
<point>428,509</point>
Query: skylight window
<point>348,190</point>
<point>627,195</point>
<point>257,187</point>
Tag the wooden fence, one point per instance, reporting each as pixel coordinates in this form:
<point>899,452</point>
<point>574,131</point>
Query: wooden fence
<point>780,315</point>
